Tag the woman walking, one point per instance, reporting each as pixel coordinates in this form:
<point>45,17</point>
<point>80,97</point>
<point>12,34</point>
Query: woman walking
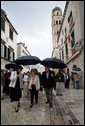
<point>16,84</point>
<point>34,86</point>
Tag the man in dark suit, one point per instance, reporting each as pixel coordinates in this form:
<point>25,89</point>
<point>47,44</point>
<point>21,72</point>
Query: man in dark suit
<point>48,84</point>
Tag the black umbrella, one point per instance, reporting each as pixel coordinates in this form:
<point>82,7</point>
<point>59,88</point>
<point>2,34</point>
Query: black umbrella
<point>10,65</point>
<point>27,60</point>
<point>53,63</point>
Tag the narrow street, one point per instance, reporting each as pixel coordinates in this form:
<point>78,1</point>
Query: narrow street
<point>38,115</point>
<point>66,110</point>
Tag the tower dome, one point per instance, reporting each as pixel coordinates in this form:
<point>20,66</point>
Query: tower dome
<point>56,9</point>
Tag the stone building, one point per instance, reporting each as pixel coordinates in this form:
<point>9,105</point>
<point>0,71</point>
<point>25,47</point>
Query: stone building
<point>22,51</point>
<point>70,40</point>
<point>8,41</point>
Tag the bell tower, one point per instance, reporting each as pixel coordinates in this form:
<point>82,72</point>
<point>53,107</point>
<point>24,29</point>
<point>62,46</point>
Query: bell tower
<point>56,24</point>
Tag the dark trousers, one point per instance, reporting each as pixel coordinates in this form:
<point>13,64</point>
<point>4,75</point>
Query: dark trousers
<point>34,92</point>
<point>67,85</point>
<point>49,94</point>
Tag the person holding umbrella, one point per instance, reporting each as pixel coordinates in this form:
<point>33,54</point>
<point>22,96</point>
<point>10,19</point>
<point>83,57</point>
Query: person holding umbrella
<point>48,84</point>
<point>16,84</point>
<point>59,78</point>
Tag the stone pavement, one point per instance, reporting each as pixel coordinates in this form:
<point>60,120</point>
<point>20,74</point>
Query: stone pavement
<point>38,115</point>
<point>75,100</point>
<point>67,110</point>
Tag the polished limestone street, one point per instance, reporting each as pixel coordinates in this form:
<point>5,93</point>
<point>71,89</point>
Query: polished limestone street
<point>67,110</point>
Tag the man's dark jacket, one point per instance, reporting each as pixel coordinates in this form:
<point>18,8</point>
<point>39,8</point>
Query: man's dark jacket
<point>47,83</point>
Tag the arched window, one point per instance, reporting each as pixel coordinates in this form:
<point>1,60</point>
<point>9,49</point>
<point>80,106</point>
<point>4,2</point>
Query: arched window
<point>57,22</point>
<point>60,22</point>
<point>57,13</point>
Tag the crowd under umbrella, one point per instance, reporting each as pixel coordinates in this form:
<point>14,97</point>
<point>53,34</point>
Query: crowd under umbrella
<point>53,63</point>
<point>10,65</point>
<point>27,60</point>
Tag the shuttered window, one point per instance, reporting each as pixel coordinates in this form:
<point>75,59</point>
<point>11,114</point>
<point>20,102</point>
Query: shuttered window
<point>8,53</point>
<point>66,47</point>
<point>11,34</point>
<point>5,49</point>
<point>72,39</point>
<point>2,24</point>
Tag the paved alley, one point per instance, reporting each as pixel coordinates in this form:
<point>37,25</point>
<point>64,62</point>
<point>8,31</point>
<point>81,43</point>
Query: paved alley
<point>67,110</point>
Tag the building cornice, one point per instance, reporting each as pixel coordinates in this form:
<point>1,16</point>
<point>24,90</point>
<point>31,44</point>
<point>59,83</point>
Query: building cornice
<point>11,48</point>
<point>2,41</point>
<point>3,14</point>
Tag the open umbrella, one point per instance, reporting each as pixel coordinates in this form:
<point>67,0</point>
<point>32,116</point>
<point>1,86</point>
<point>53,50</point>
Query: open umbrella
<point>76,70</point>
<point>10,65</point>
<point>27,60</point>
<point>53,63</point>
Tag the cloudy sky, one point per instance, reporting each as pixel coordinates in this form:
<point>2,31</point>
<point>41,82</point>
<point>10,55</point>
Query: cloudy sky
<point>32,21</point>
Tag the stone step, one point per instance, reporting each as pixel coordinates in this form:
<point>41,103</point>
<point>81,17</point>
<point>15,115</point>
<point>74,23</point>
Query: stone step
<point>62,113</point>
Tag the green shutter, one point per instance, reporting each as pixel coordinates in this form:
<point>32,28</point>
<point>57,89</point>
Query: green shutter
<point>11,34</point>
<point>2,24</point>
<point>5,51</point>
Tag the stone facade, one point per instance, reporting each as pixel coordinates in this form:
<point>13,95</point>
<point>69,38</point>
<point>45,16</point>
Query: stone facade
<point>70,40</point>
<point>8,41</point>
<point>22,49</point>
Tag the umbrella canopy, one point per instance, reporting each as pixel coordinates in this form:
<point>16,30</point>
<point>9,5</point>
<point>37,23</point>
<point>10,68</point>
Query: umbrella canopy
<point>10,65</point>
<point>76,70</point>
<point>53,63</point>
<point>27,60</point>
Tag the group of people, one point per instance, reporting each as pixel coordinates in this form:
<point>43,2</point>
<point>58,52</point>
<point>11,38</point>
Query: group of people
<point>31,82</point>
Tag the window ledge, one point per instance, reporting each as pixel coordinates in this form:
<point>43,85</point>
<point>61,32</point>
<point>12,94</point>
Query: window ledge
<point>6,59</point>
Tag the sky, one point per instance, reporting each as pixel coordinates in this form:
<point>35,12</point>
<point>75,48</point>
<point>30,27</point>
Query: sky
<point>32,21</point>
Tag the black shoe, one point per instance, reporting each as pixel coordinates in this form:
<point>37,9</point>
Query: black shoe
<point>61,95</point>
<point>2,98</point>
<point>47,102</point>
<point>31,106</point>
<point>16,110</point>
<point>51,105</point>
<point>57,94</point>
<point>11,101</point>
